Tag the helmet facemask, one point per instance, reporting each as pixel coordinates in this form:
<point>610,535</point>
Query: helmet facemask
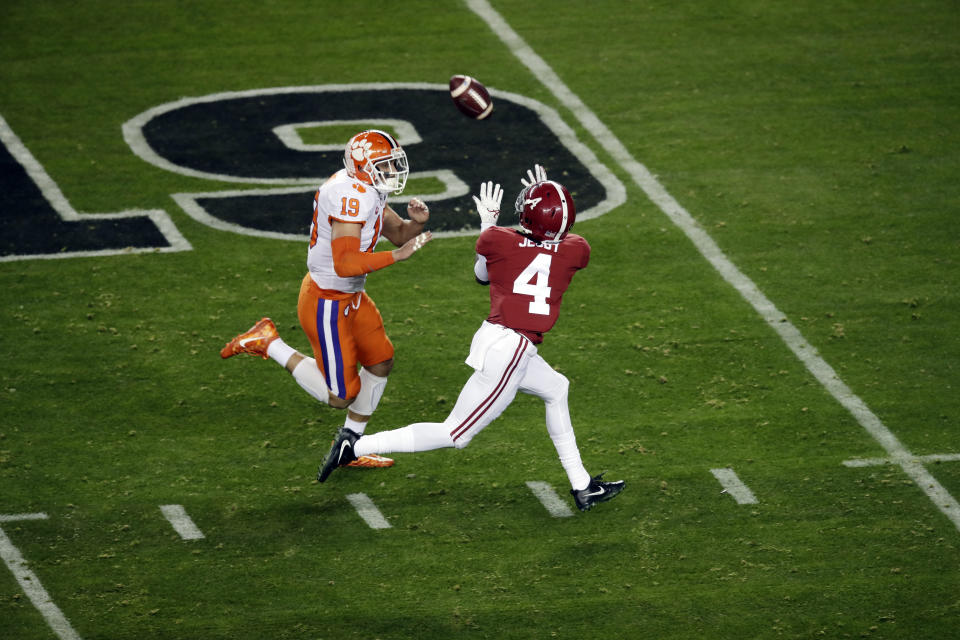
<point>389,173</point>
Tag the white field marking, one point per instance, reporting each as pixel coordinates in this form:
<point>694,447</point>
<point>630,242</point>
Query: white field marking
<point>30,583</point>
<point>368,511</point>
<point>615,193</point>
<point>680,217</point>
<point>289,134</point>
<point>734,486</point>
<point>453,187</point>
<point>182,524</point>
<point>549,498</point>
<point>48,187</point>
<point>16,517</point>
<point>873,462</point>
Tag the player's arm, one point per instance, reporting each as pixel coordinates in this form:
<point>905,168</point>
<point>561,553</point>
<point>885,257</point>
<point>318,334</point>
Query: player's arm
<point>480,270</point>
<point>399,231</point>
<point>488,207</point>
<point>348,260</point>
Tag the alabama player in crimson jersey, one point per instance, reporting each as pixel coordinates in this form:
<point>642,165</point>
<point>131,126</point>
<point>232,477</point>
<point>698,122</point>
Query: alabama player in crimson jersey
<point>528,278</point>
<point>528,272</point>
<point>345,329</point>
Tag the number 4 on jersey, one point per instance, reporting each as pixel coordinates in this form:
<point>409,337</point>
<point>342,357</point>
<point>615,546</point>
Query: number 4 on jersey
<point>533,281</point>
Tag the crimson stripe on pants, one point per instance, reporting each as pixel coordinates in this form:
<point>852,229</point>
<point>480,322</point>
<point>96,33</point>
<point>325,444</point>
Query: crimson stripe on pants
<point>484,406</point>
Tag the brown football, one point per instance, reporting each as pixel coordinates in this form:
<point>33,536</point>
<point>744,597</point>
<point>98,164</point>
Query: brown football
<point>471,97</point>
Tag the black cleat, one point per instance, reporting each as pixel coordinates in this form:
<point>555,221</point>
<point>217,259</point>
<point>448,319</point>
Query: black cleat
<point>596,491</point>
<point>341,453</point>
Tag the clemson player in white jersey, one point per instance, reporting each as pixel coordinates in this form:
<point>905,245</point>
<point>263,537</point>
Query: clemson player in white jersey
<point>528,272</point>
<point>345,329</point>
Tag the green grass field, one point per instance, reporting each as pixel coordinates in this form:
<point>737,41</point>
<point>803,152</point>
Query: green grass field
<point>817,144</point>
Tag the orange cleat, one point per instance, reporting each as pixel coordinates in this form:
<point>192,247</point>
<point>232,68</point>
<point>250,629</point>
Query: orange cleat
<point>371,462</point>
<point>254,341</point>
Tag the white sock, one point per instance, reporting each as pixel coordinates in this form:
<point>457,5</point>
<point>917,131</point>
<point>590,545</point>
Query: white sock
<point>561,432</point>
<point>422,436</point>
<point>280,351</point>
<point>355,425</point>
<point>566,445</point>
<point>398,440</point>
<point>308,376</point>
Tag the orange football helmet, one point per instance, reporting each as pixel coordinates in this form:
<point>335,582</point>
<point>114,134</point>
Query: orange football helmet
<point>376,158</point>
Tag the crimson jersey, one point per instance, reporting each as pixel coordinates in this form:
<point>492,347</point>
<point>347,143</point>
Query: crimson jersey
<point>528,280</point>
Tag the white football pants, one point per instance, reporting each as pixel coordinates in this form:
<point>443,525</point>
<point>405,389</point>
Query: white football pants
<point>505,362</point>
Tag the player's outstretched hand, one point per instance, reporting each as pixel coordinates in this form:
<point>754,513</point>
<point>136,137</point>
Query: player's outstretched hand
<point>411,246</point>
<point>538,174</point>
<point>488,204</point>
<point>418,211</point>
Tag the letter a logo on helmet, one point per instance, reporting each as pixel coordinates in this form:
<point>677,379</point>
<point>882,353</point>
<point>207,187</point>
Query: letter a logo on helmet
<point>546,211</point>
<point>376,158</point>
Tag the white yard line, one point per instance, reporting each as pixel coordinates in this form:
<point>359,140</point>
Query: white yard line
<point>549,499</point>
<point>368,511</point>
<point>791,336</point>
<point>873,462</point>
<point>17,517</point>
<point>734,486</point>
<point>30,583</point>
<point>181,522</point>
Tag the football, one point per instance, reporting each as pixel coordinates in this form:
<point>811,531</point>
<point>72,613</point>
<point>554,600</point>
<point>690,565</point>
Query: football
<point>471,97</point>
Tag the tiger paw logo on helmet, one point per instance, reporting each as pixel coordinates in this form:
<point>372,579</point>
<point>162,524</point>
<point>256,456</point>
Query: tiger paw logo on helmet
<point>360,150</point>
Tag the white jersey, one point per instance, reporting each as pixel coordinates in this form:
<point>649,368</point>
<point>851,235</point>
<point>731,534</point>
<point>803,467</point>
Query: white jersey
<point>343,199</point>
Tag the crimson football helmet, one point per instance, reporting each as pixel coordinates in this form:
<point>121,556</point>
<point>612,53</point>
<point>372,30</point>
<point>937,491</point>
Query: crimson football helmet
<point>376,158</point>
<point>546,211</point>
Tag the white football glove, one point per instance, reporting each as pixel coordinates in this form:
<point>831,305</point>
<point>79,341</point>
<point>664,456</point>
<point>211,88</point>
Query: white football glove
<point>537,175</point>
<point>488,204</point>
